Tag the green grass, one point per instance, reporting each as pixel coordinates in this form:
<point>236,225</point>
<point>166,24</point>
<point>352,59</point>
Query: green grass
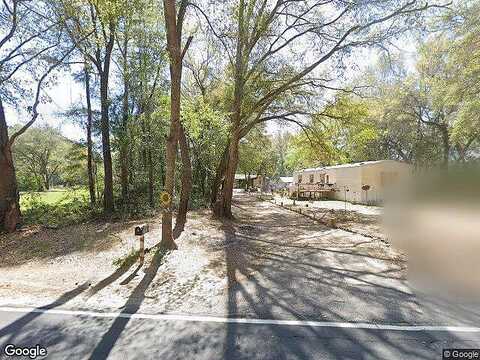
<point>56,207</point>
<point>127,260</point>
<point>51,197</point>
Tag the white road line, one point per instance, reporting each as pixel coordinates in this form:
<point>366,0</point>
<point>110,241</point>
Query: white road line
<point>216,319</point>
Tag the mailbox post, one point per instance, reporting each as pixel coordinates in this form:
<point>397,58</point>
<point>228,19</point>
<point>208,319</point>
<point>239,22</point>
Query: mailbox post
<point>140,231</point>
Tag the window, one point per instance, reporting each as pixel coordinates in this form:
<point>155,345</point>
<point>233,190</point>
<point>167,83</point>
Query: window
<point>311,178</point>
<point>327,179</point>
<point>299,179</point>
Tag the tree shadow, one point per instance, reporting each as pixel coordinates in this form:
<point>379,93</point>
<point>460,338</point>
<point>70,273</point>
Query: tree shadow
<point>135,300</point>
<point>15,327</point>
<point>24,246</point>
<point>52,335</point>
<point>275,280</point>
<point>117,274</point>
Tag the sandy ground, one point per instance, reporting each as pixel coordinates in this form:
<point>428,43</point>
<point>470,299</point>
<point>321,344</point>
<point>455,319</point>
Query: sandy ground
<point>269,263</point>
<point>335,205</point>
<point>355,218</point>
<point>39,266</point>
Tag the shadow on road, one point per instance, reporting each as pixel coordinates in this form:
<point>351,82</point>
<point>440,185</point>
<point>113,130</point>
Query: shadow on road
<point>105,346</point>
<point>273,279</point>
<point>15,328</point>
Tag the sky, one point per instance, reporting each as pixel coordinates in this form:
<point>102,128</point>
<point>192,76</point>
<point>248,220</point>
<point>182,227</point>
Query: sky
<point>66,92</point>
<point>62,96</point>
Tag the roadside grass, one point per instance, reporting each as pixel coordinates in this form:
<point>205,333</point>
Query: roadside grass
<point>130,258</point>
<point>127,260</point>
<point>56,207</point>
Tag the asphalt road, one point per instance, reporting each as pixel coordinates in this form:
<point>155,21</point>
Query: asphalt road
<point>71,336</point>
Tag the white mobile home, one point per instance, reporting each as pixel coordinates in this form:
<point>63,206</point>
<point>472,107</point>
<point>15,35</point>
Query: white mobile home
<point>363,182</point>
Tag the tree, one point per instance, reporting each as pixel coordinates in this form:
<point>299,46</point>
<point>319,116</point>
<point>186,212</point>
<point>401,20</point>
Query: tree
<point>143,101</point>
<point>74,171</point>
<point>88,127</point>
<point>86,116</point>
<point>262,72</point>
<point>174,26</point>
<point>39,153</point>
<point>454,54</point>
<point>92,27</point>
<point>280,144</point>
<point>204,120</point>
<point>38,50</point>
<point>257,155</point>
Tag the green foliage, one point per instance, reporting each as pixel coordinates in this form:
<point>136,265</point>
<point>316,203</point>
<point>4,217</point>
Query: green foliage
<point>344,131</point>
<point>57,207</point>
<point>44,158</point>
<point>449,67</point>
<point>207,130</point>
<point>257,154</point>
<point>127,260</point>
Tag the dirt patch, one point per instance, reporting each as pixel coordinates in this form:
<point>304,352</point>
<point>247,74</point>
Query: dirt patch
<point>355,221</point>
<point>40,244</point>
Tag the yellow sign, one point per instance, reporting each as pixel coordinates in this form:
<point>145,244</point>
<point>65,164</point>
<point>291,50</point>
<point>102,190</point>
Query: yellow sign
<point>165,198</point>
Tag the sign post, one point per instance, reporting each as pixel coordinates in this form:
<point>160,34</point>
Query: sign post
<point>140,231</point>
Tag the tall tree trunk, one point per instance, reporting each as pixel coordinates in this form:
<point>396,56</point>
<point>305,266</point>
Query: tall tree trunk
<point>91,178</point>
<point>108,205</point>
<point>186,183</point>
<point>124,145</point>
<point>175,54</point>
<point>131,178</point>
<point>124,141</point>
<point>170,156</point>
<point>162,173</point>
<point>229,181</point>
<point>9,197</point>
<point>219,175</point>
<point>203,180</point>
<point>151,179</point>
<point>446,146</point>
<point>47,182</point>
<point>225,208</point>
<point>97,188</point>
<point>151,198</point>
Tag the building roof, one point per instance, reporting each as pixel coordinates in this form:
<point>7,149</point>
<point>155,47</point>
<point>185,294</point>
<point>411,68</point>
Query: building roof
<point>243,176</point>
<point>340,166</point>
<point>362,163</point>
<point>286,179</point>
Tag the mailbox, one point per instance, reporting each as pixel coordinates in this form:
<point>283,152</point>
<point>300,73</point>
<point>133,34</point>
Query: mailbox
<point>141,229</point>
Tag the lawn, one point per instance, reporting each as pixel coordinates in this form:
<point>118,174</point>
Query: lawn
<point>54,196</point>
<point>56,207</point>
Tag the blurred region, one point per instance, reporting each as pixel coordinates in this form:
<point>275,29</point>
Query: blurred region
<point>435,220</point>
